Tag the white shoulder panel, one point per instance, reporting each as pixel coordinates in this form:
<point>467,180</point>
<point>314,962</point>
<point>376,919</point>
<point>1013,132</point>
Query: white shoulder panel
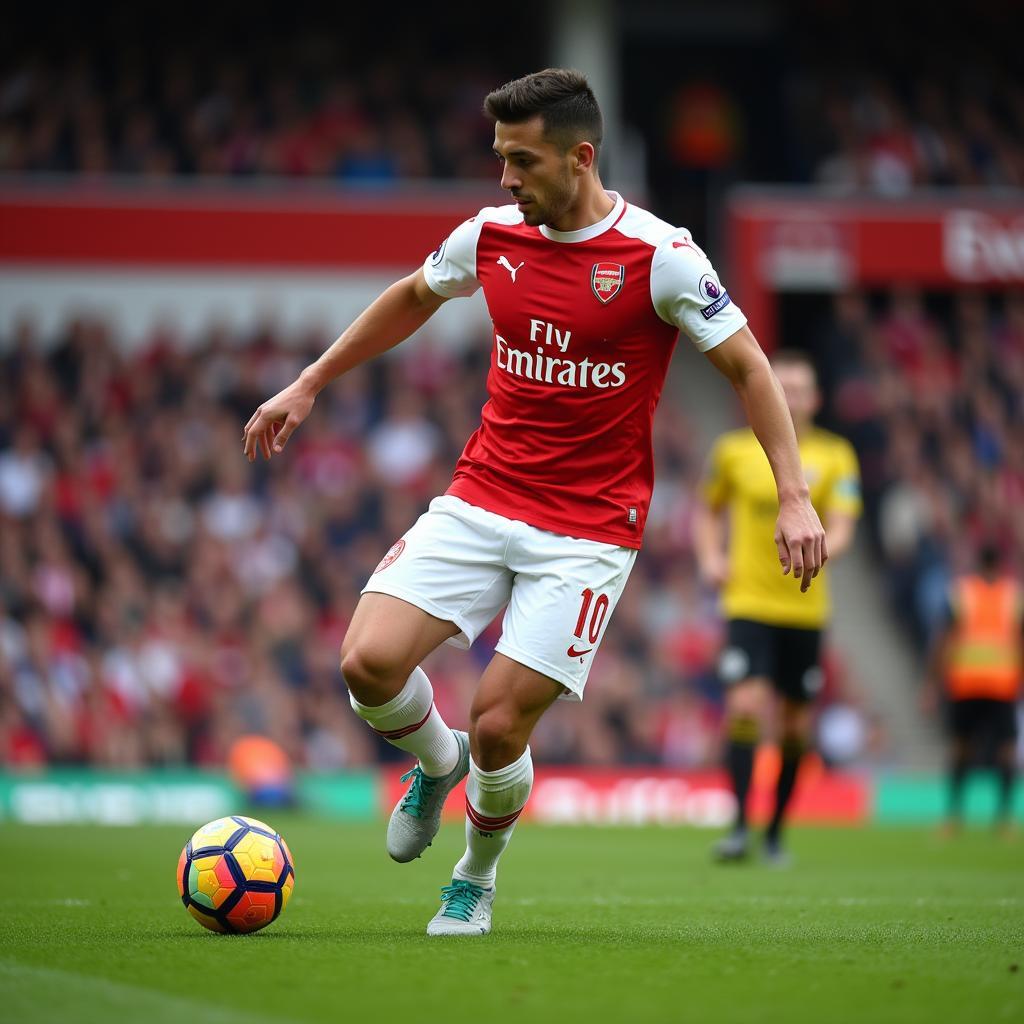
<point>687,292</point>
<point>450,269</point>
<point>643,225</point>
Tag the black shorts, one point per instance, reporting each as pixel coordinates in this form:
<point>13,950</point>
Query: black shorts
<point>789,657</point>
<point>983,719</point>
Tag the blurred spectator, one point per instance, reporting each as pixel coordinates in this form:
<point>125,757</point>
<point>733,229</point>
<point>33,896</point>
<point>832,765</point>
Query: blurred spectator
<point>101,95</point>
<point>160,598</point>
<point>882,139</point>
<point>23,473</point>
<point>703,129</point>
<point>933,404</point>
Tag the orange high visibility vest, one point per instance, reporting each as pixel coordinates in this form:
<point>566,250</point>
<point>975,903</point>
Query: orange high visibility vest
<point>985,653</point>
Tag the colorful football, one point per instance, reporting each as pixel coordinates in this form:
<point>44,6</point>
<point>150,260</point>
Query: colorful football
<point>235,875</point>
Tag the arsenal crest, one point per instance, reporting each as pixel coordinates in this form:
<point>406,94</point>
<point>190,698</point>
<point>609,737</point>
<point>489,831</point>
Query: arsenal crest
<point>606,280</point>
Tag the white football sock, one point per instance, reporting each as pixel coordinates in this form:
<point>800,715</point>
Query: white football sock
<point>494,801</point>
<point>411,722</point>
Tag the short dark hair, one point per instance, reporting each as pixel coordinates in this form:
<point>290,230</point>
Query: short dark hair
<point>990,556</point>
<point>793,357</point>
<point>561,96</point>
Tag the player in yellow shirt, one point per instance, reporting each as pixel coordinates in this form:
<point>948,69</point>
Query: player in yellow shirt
<point>774,625</point>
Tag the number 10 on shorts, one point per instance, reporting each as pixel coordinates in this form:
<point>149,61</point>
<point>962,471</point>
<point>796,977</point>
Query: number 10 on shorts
<point>591,619</point>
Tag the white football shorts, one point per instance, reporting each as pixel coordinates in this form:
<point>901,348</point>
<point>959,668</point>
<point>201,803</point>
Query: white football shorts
<point>464,564</point>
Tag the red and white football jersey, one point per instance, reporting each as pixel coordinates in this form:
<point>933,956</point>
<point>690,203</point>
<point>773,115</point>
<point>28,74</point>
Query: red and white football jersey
<point>584,326</point>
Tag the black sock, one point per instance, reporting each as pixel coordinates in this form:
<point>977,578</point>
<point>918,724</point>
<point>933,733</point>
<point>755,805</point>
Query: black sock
<point>739,760</point>
<point>957,776</point>
<point>1006,779</point>
<point>792,752</point>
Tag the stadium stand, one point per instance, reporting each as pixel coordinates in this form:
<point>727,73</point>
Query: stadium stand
<point>147,572</point>
<point>158,100</point>
<point>121,93</point>
<point>930,389</point>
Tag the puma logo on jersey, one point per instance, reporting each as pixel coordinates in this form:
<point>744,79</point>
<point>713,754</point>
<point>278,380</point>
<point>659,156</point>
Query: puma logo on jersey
<point>502,261</point>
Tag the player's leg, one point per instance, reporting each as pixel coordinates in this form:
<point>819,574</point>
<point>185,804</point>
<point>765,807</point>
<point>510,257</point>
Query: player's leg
<point>564,594</point>
<point>794,737</point>
<point>443,581</point>
<point>380,656</point>
<point>509,702</point>
<point>1006,768</point>
<point>961,727</point>
<point>746,705</point>
<point>1005,731</point>
<point>798,680</point>
<point>744,667</point>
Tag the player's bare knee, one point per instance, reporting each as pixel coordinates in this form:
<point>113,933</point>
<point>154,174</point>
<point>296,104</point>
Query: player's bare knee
<point>743,702</point>
<point>743,709</point>
<point>369,672</point>
<point>795,724</point>
<point>793,740</point>
<point>495,738</point>
<point>795,733</point>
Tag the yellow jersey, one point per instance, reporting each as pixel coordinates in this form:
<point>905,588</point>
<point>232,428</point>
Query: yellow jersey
<point>739,478</point>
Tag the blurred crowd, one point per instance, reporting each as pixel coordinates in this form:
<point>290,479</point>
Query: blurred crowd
<point>161,597</point>
<point>931,391</point>
<point>295,105</point>
<point>861,132</point>
<point>122,94</point>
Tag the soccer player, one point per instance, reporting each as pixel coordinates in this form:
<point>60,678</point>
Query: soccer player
<point>546,510</point>
<point>978,660</point>
<point>774,631</point>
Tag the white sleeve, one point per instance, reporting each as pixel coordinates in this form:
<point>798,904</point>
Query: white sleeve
<point>450,269</point>
<point>686,292</point>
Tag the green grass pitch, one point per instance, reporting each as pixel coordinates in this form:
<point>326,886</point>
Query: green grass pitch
<point>590,924</point>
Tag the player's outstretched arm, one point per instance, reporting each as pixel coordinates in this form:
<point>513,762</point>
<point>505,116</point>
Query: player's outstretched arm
<point>938,657</point>
<point>799,535</point>
<point>387,321</point>
<point>936,662</point>
<point>709,544</point>
<point>839,533</point>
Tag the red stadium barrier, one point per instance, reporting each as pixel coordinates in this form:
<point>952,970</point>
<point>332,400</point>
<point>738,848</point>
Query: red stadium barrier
<point>658,796</point>
<point>225,229</point>
<point>788,241</point>
<point>188,257</point>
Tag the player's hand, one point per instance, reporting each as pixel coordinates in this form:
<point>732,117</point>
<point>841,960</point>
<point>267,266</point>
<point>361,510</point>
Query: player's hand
<point>714,571</point>
<point>275,420</point>
<point>800,538</point>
